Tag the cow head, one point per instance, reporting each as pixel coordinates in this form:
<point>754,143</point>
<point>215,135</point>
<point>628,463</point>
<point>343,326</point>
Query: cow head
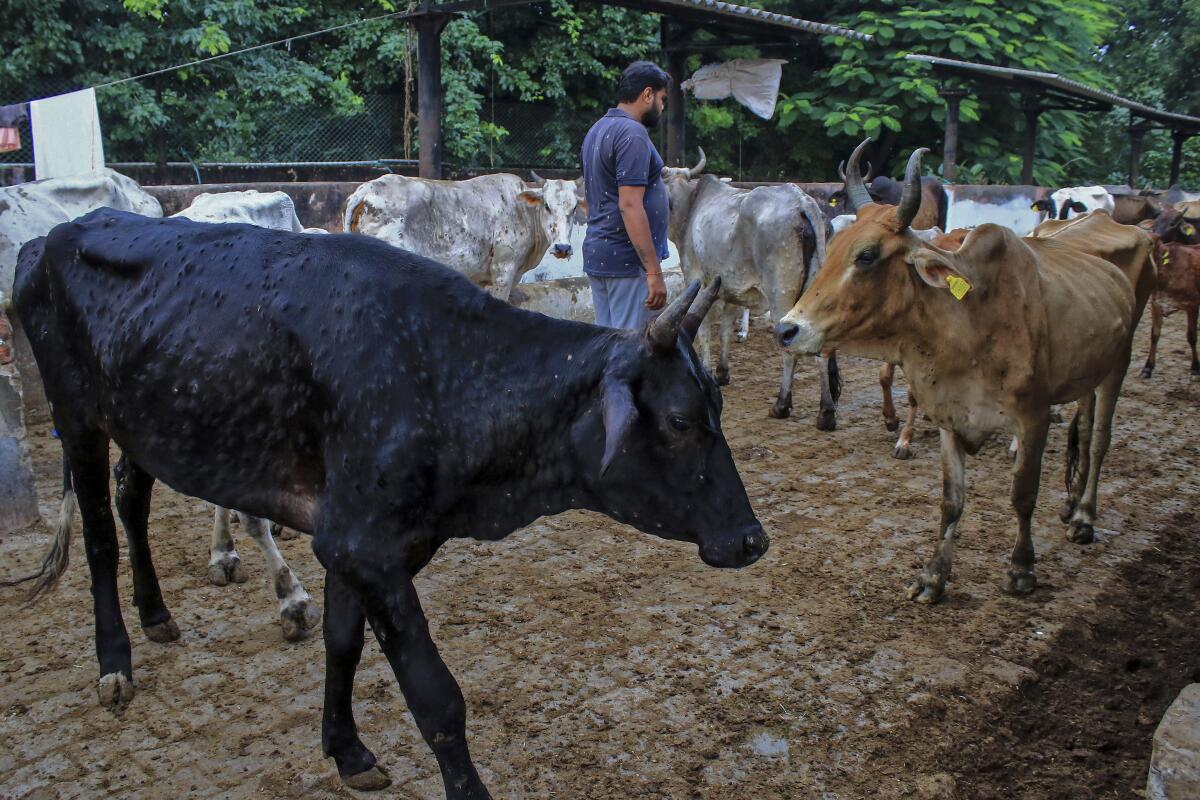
<point>681,188</point>
<point>659,459</point>
<point>558,205</point>
<point>872,273</point>
<point>1077,200</point>
<point>1172,226</point>
<point>1045,206</point>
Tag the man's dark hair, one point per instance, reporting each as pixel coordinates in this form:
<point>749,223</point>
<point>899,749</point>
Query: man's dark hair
<point>639,75</point>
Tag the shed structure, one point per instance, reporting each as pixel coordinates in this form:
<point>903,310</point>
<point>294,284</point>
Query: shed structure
<point>1049,91</point>
<point>688,26</point>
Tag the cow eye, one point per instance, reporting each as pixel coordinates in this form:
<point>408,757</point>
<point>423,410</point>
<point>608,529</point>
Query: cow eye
<point>679,423</point>
<point>867,257</point>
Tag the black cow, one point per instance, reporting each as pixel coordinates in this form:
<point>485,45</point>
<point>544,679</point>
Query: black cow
<point>373,399</point>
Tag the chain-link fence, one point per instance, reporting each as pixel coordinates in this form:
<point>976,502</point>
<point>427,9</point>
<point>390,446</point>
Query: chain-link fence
<point>529,135</point>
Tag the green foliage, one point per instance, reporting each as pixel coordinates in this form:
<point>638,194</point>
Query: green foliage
<point>523,84</point>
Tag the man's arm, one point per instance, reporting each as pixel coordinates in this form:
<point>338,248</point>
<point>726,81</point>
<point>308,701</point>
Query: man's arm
<point>637,226</point>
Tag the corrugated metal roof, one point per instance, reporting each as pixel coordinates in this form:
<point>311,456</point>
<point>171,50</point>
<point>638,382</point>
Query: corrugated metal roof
<point>752,15</point>
<point>714,10</point>
<point>1023,78</point>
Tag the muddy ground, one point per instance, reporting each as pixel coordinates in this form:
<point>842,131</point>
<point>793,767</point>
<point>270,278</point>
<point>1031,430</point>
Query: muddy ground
<point>598,662</point>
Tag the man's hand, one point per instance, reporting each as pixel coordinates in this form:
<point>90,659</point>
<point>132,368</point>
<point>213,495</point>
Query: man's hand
<point>656,296</point>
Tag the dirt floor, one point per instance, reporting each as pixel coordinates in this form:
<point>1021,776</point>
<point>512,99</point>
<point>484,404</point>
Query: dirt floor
<point>598,662</point>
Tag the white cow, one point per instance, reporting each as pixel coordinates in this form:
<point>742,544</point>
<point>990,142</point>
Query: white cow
<point>297,612</point>
<point>274,210</point>
<point>765,244</point>
<point>30,210</point>
<point>1076,200</point>
<point>493,228</point>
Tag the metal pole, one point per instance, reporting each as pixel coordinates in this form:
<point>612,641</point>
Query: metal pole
<point>676,119</point>
<point>1135,155</point>
<point>1031,131</point>
<point>1177,140</point>
<point>429,93</point>
<point>950,152</point>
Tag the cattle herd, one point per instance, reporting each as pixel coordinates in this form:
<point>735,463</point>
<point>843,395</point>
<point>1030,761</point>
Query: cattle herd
<point>361,388</point>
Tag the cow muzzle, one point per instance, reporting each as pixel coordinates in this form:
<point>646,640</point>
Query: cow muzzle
<point>798,335</point>
<point>563,251</point>
<point>738,550</point>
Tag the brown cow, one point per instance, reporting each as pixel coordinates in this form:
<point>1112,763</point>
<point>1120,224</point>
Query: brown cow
<point>989,336</point>
<point>1178,288</point>
<point>1173,226</point>
<point>1130,209</point>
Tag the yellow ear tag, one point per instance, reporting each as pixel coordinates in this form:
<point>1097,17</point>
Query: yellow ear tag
<point>1188,230</point>
<point>833,202</point>
<point>958,286</point>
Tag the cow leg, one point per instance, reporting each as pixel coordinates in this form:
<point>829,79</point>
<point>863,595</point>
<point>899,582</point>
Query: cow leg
<point>1019,579</point>
<point>1084,520</point>
<point>87,452</point>
<point>887,374</point>
<point>297,612</point>
<point>343,630</point>
<point>134,487</point>
<point>1079,454</point>
<point>1156,321</point>
<point>504,277</point>
<point>704,334</point>
<point>903,448</point>
<point>1192,313</point>
<point>930,585</point>
<point>727,314</point>
<point>224,564</point>
<point>432,694</point>
<point>831,389</point>
<point>783,403</point>
<point>744,328</point>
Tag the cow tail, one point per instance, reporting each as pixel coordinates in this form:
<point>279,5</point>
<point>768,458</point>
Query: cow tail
<point>1072,452</point>
<point>58,555</point>
<point>835,377</point>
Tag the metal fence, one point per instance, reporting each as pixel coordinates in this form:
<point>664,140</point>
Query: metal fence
<point>529,135</point>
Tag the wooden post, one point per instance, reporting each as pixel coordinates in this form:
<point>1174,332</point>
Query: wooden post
<point>1177,140</point>
<point>950,153</point>
<point>429,93</point>
<point>676,116</point>
<point>1136,134</point>
<point>1032,111</point>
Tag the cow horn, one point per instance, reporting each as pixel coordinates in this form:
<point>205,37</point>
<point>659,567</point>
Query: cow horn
<point>695,171</point>
<point>852,181</point>
<point>664,330</point>
<point>842,172</point>
<point>699,310</point>
<point>535,179</point>
<point>910,199</point>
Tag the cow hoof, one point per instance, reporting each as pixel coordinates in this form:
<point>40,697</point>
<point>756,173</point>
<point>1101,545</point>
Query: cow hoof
<point>163,632</point>
<point>741,337</point>
<point>827,421</point>
<point>780,412</point>
<point>1147,372</point>
<point>892,425</point>
<point>1018,583</point>
<point>115,692</point>
<point>902,452</point>
<point>226,569</point>
<point>1082,533</point>
<point>722,377</point>
<point>299,619</point>
<point>369,780</point>
<point>926,590</point>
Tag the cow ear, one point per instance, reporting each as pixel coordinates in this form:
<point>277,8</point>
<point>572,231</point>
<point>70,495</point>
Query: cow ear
<point>619,415</point>
<point>936,269</point>
<point>532,197</point>
<point>581,210</point>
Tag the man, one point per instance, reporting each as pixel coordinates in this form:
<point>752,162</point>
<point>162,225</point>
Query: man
<point>627,203</point>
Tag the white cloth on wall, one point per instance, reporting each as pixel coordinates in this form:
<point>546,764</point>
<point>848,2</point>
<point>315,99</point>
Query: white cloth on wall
<point>66,135</point>
<point>753,82</point>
